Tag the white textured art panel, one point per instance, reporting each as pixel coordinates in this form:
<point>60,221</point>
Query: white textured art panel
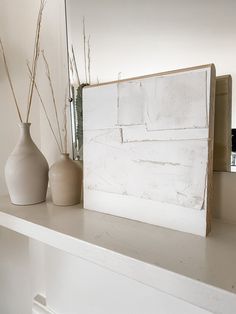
<point>157,171</point>
<point>101,108</point>
<point>131,102</point>
<point>149,146</point>
<point>177,101</point>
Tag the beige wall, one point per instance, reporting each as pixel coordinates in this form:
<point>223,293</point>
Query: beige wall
<point>17,37</point>
<point>54,45</point>
<point>19,278</point>
<point>17,29</point>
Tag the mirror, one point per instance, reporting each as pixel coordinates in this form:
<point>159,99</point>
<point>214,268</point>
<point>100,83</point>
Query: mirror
<point>222,131</point>
<point>110,40</point>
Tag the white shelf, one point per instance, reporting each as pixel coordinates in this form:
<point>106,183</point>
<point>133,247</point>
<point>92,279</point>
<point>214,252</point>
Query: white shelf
<point>200,270</point>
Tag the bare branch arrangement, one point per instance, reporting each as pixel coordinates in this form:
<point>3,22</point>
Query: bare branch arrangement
<point>45,111</point>
<point>65,122</point>
<point>74,65</point>
<point>86,60</point>
<point>85,55</point>
<point>10,81</point>
<point>48,74</point>
<point>62,145</point>
<point>33,68</point>
<point>89,62</point>
<point>35,58</point>
<point>76,85</point>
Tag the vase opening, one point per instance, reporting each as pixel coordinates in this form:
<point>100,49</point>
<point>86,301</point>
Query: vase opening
<point>65,155</point>
<point>24,124</point>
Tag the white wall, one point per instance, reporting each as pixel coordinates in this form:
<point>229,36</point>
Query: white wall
<point>139,37</point>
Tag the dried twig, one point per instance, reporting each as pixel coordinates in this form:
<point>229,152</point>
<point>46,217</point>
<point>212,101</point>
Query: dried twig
<point>119,76</point>
<point>9,79</point>
<point>85,55</point>
<point>89,62</point>
<point>44,108</point>
<point>75,64</point>
<point>35,58</point>
<point>65,123</point>
<point>71,67</point>
<point>53,97</point>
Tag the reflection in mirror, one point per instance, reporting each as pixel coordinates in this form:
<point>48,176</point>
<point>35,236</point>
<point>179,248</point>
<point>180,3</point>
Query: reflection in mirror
<point>233,156</point>
<point>222,133</point>
<point>123,42</point>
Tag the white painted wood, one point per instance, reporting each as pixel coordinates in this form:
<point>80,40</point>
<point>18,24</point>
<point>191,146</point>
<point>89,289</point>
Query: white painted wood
<point>146,144</point>
<point>15,283</point>
<point>40,306</point>
<point>83,287</point>
<point>37,267</point>
<point>197,270</point>
<point>192,221</point>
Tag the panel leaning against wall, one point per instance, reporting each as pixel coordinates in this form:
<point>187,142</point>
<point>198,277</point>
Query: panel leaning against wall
<point>148,147</point>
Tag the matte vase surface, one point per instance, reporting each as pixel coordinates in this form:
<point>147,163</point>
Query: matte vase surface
<point>26,171</point>
<point>65,177</point>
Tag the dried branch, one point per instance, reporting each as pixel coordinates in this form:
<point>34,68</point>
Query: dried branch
<point>44,109</point>
<point>53,97</point>
<point>9,79</point>
<point>71,67</point>
<point>119,76</point>
<point>75,64</point>
<point>89,61</point>
<point>85,55</point>
<point>35,58</point>
<point>65,124</point>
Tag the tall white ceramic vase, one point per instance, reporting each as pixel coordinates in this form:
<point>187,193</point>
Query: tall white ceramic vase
<point>26,171</point>
<point>65,178</point>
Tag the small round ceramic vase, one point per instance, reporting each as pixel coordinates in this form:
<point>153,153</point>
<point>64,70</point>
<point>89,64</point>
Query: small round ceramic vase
<point>65,178</point>
<point>26,171</point>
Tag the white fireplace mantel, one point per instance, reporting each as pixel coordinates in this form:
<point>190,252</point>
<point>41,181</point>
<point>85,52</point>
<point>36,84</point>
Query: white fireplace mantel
<point>199,270</point>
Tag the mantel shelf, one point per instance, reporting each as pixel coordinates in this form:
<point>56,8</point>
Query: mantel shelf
<point>199,270</point>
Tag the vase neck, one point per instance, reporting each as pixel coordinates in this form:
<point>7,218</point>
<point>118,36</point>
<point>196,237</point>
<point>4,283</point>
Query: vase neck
<point>24,130</point>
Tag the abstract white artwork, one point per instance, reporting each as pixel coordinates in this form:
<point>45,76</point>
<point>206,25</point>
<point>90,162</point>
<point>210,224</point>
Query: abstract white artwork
<point>148,148</point>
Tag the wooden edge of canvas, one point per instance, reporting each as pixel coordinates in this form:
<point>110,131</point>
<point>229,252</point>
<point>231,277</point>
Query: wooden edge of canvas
<point>154,74</point>
<point>210,150</point>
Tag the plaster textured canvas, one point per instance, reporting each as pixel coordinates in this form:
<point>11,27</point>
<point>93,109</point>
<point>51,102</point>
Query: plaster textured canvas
<point>146,148</point>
